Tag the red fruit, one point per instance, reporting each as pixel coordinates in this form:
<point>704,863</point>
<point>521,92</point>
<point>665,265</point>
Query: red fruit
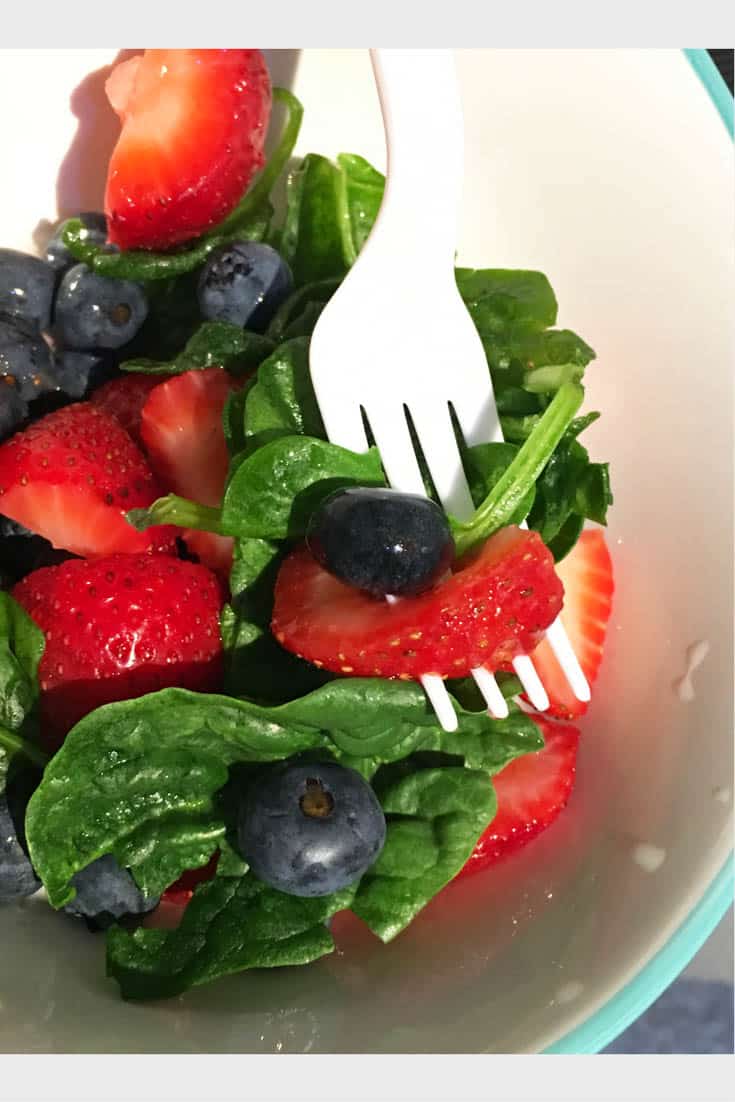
<point>194,124</point>
<point>124,398</point>
<point>119,627</point>
<point>494,607</point>
<point>182,433</point>
<point>181,891</point>
<point>587,575</point>
<point>71,477</point>
<point>531,792</point>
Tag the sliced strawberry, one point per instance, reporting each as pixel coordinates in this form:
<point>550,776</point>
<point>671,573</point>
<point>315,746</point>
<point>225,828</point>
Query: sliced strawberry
<point>194,124</point>
<point>587,575</point>
<point>493,608</point>
<point>124,398</point>
<point>181,891</point>
<point>119,627</point>
<point>71,477</point>
<point>214,551</point>
<point>181,427</point>
<point>531,793</point>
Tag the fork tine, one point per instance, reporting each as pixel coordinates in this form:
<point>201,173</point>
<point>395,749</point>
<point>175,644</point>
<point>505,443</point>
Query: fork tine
<point>441,451</point>
<point>477,415</point>
<point>559,642</point>
<point>344,425</point>
<point>390,431</point>
<point>389,427</point>
<point>436,435</point>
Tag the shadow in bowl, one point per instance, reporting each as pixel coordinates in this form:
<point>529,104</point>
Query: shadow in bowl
<point>80,184</point>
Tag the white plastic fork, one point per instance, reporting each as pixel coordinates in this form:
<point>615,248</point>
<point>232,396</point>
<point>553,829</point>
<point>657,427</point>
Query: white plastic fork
<point>397,337</point>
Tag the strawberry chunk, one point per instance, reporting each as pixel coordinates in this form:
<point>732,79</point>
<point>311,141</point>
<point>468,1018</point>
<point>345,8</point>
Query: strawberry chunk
<point>119,627</point>
<point>181,427</point>
<point>194,124</point>
<point>531,791</point>
<point>124,399</point>
<point>587,575</point>
<point>71,477</point>
<point>494,607</point>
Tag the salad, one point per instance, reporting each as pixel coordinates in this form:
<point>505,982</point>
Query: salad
<point>212,735</point>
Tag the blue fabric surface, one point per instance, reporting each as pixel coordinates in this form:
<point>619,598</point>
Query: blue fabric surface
<point>691,1017</point>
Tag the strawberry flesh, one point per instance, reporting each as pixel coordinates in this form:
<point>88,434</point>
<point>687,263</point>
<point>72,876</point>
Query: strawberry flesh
<point>587,576</point>
<point>181,428</point>
<point>194,125</point>
<point>71,477</point>
<point>531,792</point>
<point>119,627</point>
<point>494,607</point>
<point>124,399</point>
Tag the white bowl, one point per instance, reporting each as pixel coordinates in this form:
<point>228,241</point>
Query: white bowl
<point>611,172</point>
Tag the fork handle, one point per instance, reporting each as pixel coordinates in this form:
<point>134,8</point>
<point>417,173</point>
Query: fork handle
<point>422,114</point>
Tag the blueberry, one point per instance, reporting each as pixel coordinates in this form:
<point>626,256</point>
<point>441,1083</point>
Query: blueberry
<point>106,892</point>
<point>381,541</point>
<point>310,829</point>
<point>17,878</point>
<point>243,283</point>
<point>25,358</point>
<point>13,410</point>
<point>57,254</point>
<point>95,312</point>
<point>26,287</point>
<point>79,372</point>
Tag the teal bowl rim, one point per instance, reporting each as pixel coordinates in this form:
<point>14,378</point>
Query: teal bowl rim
<point>628,1004</point>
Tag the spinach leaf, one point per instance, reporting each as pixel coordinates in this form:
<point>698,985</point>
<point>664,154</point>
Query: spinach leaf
<point>566,537</point>
<point>579,424</point>
<point>547,380</point>
<point>484,465</point>
<point>549,348</point>
<point>330,212</point>
<point>556,491</point>
<point>233,421</point>
<point>569,484</point>
<point>312,236</point>
<point>363,188</point>
<point>388,720</point>
<point>435,817</point>
<point>512,312</point>
<point>511,489</point>
<point>229,926</point>
<point>507,303</point>
<point>256,665</point>
<point>272,494</point>
<point>281,402</point>
<point>215,344</point>
<point>594,495</point>
<point>305,302</point>
<point>21,649</point>
<point>173,318</point>
<point>140,778</point>
<point>145,266</point>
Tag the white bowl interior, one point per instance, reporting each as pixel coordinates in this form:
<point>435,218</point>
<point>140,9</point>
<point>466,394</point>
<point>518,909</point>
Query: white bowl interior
<point>611,172</point>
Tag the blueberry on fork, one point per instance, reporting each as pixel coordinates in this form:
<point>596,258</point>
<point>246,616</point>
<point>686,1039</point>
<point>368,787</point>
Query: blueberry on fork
<point>382,541</point>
